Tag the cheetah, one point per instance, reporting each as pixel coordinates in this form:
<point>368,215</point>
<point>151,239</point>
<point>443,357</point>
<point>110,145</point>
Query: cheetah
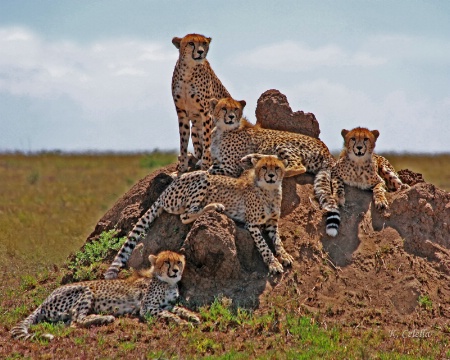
<point>193,84</point>
<point>150,292</point>
<point>253,199</point>
<point>234,137</point>
<point>359,166</point>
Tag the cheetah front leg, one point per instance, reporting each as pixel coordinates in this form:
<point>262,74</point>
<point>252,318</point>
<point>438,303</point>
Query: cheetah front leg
<point>184,128</point>
<point>295,162</point>
<point>274,235</point>
<point>206,140</point>
<point>268,257</point>
<point>379,196</point>
<point>197,139</point>
<point>195,212</point>
<point>186,314</point>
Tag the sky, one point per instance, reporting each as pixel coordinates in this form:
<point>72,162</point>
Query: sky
<point>92,75</point>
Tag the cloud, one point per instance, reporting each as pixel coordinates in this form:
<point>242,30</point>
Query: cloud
<point>293,56</point>
<point>102,77</point>
<point>405,122</point>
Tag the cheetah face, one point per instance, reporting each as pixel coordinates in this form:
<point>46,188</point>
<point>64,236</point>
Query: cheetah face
<point>168,266</point>
<point>193,47</point>
<point>226,113</point>
<point>269,170</point>
<point>359,142</point>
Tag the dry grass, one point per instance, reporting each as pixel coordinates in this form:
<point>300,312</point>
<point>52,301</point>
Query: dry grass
<point>49,204</point>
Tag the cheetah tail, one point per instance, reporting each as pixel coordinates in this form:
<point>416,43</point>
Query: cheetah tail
<point>134,237</point>
<point>333,221</point>
<point>20,331</point>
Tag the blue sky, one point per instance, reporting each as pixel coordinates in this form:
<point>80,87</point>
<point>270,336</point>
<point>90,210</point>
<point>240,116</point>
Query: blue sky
<point>95,75</point>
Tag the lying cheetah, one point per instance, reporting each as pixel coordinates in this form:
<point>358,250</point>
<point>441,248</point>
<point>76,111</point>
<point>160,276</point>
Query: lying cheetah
<point>233,137</point>
<point>254,199</point>
<point>359,166</point>
<point>193,84</point>
<point>150,292</point>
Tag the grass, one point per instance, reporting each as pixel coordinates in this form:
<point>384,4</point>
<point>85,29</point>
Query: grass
<point>49,204</point>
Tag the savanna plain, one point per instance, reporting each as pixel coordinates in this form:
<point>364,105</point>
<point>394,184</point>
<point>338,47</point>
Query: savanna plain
<point>50,203</point>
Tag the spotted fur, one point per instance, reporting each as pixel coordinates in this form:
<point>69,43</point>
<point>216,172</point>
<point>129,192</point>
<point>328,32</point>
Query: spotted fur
<point>194,83</point>
<point>233,137</point>
<point>254,199</point>
<point>152,292</point>
<point>359,166</point>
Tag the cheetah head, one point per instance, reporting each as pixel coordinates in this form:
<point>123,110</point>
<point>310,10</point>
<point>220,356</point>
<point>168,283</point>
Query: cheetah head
<point>359,143</point>
<point>193,47</point>
<point>226,113</point>
<point>167,266</point>
<point>269,170</point>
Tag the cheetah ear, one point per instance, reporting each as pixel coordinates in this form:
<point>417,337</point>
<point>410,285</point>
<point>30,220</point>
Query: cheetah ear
<point>212,103</point>
<point>209,40</point>
<point>177,42</point>
<point>152,259</point>
<point>251,160</point>
<point>375,133</point>
<point>285,162</point>
<point>344,133</point>
<point>243,103</point>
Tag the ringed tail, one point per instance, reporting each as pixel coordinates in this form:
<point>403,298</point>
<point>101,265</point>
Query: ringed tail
<point>333,220</point>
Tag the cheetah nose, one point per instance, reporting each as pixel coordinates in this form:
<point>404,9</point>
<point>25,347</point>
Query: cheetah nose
<point>359,147</point>
<point>200,52</point>
<point>271,175</point>
<point>231,117</point>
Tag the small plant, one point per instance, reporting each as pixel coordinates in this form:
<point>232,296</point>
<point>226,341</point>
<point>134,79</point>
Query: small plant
<point>85,260</point>
<point>425,302</point>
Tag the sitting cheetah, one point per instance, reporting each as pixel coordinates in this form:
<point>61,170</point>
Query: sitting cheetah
<point>193,84</point>
<point>359,166</point>
<point>150,292</point>
<point>233,137</point>
<point>254,199</point>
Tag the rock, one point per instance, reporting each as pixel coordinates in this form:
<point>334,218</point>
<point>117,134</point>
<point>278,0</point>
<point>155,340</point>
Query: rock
<point>273,112</point>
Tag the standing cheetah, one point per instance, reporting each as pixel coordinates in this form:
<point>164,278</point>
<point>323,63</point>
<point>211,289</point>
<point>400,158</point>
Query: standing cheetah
<point>359,166</point>
<point>152,292</point>
<point>254,199</point>
<point>233,137</point>
<point>194,83</point>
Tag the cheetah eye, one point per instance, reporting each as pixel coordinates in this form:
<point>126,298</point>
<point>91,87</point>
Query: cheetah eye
<point>352,139</point>
<point>277,168</point>
<point>167,263</point>
<point>264,167</point>
<point>365,139</point>
<point>191,43</point>
<point>205,43</point>
<point>180,263</point>
<point>224,109</point>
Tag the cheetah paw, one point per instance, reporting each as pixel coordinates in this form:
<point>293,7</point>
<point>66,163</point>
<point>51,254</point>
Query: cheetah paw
<point>220,208</point>
<point>382,204</point>
<point>275,267</point>
<point>286,259</point>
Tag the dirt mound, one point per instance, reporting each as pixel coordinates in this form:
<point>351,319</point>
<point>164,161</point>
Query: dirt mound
<point>389,268</point>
